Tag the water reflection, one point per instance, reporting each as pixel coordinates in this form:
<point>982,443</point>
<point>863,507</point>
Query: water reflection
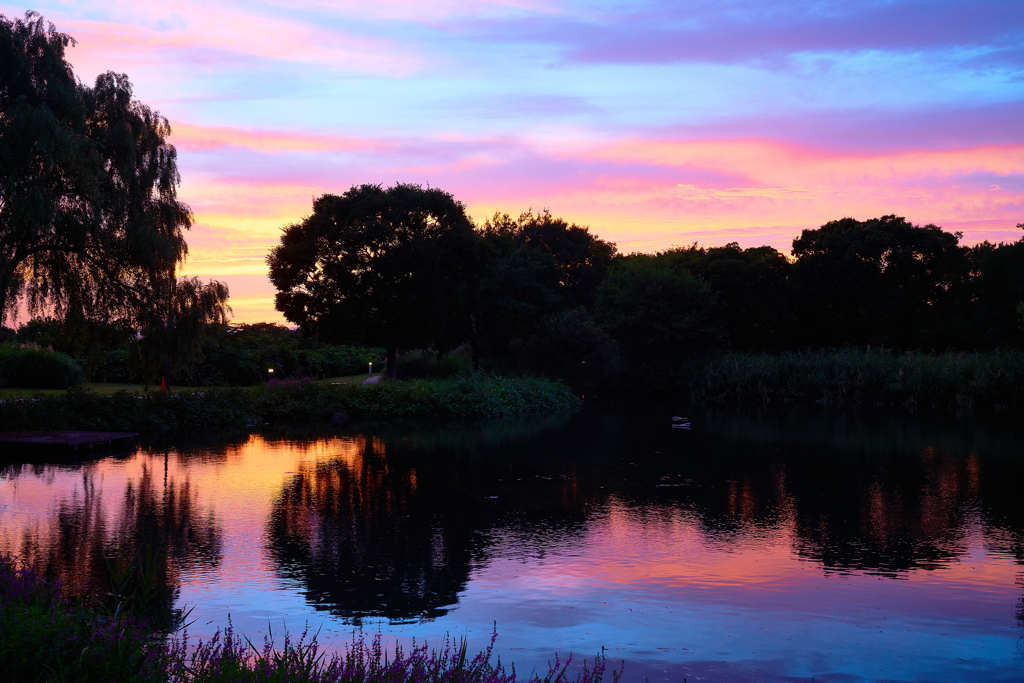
<point>784,548</point>
<point>368,537</point>
<point>134,548</point>
<point>396,531</point>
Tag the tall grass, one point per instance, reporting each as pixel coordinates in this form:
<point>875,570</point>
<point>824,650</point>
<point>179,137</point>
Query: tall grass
<point>45,636</point>
<point>465,397</point>
<point>947,383</point>
<point>229,657</point>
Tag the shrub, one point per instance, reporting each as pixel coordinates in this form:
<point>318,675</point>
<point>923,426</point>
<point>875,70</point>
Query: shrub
<point>422,363</point>
<point>22,366</point>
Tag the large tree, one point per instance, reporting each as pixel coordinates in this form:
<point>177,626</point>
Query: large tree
<point>879,281</point>
<point>658,312</point>
<point>753,289</point>
<point>578,258</point>
<point>177,322</point>
<point>89,217</point>
<point>393,267</point>
<point>537,272</point>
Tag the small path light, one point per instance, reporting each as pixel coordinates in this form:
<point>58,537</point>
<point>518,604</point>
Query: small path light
<point>270,371</point>
<point>371,367</point>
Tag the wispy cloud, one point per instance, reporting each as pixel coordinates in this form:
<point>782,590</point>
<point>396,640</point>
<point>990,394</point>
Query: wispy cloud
<point>206,35</point>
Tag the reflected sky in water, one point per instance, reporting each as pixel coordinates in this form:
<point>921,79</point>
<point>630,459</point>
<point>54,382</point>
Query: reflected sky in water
<point>749,549</point>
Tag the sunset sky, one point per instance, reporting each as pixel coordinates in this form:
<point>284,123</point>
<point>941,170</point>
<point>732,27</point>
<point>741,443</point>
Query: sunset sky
<point>657,124</point>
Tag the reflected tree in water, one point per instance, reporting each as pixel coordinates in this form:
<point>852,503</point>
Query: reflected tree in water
<point>368,538</point>
<point>397,536</point>
<point>132,554</point>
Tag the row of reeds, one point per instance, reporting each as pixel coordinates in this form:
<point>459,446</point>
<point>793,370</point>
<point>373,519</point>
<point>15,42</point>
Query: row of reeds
<point>913,381</point>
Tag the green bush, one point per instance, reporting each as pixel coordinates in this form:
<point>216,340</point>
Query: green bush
<point>22,366</point>
<point>423,364</point>
<point>116,366</point>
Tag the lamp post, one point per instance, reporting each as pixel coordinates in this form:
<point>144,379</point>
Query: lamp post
<point>270,373</point>
<point>371,368</point>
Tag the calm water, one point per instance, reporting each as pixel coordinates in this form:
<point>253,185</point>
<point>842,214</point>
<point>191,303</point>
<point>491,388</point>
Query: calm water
<point>747,549</point>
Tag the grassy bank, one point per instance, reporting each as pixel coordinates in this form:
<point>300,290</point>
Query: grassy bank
<point>468,397</point>
<point>946,383</point>
<point>47,636</point>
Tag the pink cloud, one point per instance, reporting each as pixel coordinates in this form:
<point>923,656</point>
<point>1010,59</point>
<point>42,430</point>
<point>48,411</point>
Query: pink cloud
<point>645,194</point>
<point>206,138</point>
<point>426,12</point>
<point>201,32</point>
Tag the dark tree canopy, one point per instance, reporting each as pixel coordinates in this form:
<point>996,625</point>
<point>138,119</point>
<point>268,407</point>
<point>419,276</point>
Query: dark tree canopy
<point>393,267</point>
<point>995,296</point>
<point>882,280</point>
<point>537,272</point>
<point>580,258</point>
<point>753,288</point>
<point>658,312</point>
<point>178,320</point>
<point>89,216</point>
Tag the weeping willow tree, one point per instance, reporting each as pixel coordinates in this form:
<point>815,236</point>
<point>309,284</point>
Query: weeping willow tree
<point>172,335</point>
<point>90,223</point>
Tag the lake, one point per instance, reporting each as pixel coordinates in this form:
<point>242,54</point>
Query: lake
<point>750,548</point>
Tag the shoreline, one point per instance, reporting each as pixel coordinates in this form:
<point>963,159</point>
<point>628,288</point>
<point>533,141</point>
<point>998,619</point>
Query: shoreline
<point>474,397</point>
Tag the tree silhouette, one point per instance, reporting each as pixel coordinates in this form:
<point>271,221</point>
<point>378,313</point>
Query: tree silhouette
<point>882,281</point>
<point>89,216</point>
<point>658,313</point>
<point>390,267</point>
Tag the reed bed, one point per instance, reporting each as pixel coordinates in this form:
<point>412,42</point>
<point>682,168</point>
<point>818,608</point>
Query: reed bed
<point>991,381</point>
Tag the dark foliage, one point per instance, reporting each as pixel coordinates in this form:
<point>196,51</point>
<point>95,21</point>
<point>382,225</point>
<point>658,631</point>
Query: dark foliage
<point>473,396</point>
<point>390,267</point>
<point>89,217</point>
<point>660,313</point>
<point>881,281</point>
<point>47,636</point>
<point>35,368</point>
<point>425,364</point>
<point>753,290</point>
<point>534,270</point>
<point>242,354</point>
<point>951,383</point>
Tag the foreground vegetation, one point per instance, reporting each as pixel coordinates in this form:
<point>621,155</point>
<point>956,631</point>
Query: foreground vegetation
<point>469,397</point>
<point>48,636</point>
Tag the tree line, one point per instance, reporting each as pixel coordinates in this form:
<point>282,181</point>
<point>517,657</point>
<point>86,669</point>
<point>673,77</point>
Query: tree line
<point>405,268</point>
<point>92,231</point>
